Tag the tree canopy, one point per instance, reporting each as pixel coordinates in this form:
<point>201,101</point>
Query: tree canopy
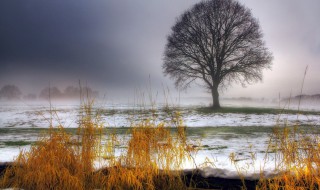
<point>217,42</point>
<point>10,92</point>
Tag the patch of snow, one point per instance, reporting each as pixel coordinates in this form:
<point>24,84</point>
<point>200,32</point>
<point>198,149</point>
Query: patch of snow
<point>219,135</point>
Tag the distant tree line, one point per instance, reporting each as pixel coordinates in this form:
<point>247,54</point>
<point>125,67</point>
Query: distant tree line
<point>12,92</point>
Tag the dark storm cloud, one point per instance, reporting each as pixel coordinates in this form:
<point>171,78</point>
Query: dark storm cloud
<point>44,31</point>
<point>106,42</point>
<point>56,37</point>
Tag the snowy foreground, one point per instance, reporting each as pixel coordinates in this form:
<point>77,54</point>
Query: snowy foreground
<point>216,136</point>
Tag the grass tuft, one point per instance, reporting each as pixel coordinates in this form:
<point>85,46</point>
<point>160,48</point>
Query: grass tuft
<point>17,143</point>
<point>297,160</point>
<point>153,159</point>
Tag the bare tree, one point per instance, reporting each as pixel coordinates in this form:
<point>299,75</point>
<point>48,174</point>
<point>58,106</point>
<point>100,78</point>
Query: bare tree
<point>216,42</point>
<point>50,92</point>
<point>10,92</point>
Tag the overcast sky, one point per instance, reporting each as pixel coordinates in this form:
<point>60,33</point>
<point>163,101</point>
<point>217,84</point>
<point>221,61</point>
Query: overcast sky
<point>117,44</point>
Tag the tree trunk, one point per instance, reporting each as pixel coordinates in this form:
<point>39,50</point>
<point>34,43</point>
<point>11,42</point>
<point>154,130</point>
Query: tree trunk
<point>215,97</point>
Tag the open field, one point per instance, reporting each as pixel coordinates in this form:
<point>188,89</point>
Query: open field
<point>241,131</point>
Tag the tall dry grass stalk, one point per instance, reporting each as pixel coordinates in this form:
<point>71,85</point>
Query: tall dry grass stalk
<point>153,159</point>
<point>296,156</point>
<point>58,161</point>
<point>297,160</point>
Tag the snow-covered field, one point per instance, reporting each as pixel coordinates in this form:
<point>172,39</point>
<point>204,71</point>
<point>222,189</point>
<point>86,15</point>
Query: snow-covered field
<point>217,135</point>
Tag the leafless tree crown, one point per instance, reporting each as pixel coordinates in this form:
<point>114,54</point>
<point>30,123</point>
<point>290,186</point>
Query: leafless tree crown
<point>218,42</point>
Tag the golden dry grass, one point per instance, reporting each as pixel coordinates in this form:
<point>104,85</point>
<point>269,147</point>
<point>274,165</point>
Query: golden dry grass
<point>153,159</point>
<point>297,159</point>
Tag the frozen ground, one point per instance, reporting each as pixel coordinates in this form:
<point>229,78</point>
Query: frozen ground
<point>40,116</point>
<point>217,135</point>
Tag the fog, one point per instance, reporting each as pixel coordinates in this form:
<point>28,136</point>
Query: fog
<point>116,47</point>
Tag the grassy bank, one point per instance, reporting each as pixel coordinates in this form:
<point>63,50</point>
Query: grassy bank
<point>254,110</point>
